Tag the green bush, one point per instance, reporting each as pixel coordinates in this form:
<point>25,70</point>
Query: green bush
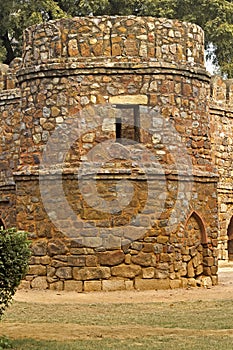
<point>14,255</point>
<point>5,343</point>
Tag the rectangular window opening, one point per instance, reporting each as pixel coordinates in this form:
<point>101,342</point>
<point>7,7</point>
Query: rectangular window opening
<point>128,125</point>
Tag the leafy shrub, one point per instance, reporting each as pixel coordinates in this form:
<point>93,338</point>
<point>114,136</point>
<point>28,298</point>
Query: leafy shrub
<point>14,255</point>
<point>5,343</point>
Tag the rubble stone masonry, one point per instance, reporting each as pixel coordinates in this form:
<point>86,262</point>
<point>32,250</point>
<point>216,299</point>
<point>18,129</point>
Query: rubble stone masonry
<point>115,155</point>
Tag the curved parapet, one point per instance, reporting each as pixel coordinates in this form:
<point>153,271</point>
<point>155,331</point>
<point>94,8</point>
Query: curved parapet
<point>114,39</point>
<point>8,80</point>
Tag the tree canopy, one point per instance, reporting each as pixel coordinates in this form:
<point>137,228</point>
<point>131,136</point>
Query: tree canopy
<point>214,16</point>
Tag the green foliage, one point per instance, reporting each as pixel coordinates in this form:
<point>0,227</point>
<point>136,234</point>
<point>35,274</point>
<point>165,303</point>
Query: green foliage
<point>5,343</point>
<point>14,255</point>
<point>214,16</point>
<point>16,15</point>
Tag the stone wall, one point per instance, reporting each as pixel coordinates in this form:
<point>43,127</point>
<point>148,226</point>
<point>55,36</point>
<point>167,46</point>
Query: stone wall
<point>221,134</point>
<point>104,215</point>
<point>9,140</point>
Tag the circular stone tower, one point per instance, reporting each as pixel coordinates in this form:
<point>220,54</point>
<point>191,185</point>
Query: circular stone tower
<point>115,173</point>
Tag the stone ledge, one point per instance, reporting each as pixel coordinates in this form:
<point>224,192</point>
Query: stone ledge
<point>59,68</point>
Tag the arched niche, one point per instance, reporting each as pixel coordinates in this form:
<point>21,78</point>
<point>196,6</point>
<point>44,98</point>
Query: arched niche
<point>230,240</point>
<point>200,222</point>
<point>194,246</point>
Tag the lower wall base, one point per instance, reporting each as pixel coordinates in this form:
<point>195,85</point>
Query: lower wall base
<point>119,284</point>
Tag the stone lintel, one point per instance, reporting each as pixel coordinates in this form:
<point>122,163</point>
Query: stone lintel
<point>129,99</point>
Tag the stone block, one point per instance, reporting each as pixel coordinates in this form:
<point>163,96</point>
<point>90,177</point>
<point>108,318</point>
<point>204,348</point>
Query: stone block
<point>38,270</point>
<point>190,269</point>
<point>56,286</point>
<point>161,274</point>
<point>56,247</point>
<point>39,248</point>
<point>184,283</point>
<point>73,286</point>
<point>129,285</point>
<point>148,272</point>
<point>45,260</point>
<point>214,280</point>
<point>192,282</point>
<point>111,258</point>
<point>143,259</point>
<point>126,271</point>
<point>208,261</point>
<point>111,285</point>
<point>175,284</point>
<point>162,239</point>
<point>50,271</point>
<point>92,286</point>
<point>39,283</point>
<point>129,99</point>
<point>206,282</point>
<point>64,272</point>
<point>24,285</point>
<point>206,270</point>
<point>148,284</point>
<point>92,242</point>
<point>76,260</point>
<point>199,270</point>
<point>214,270</point>
<point>91,273</point>
<point>91,260</point>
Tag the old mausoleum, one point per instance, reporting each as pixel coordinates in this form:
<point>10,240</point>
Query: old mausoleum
<point>116,155</point>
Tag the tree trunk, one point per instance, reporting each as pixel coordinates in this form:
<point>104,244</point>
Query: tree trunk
<point>9,51</point>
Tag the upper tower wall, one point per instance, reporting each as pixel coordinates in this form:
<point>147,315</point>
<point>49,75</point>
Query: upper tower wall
<point>221,92</point>
<point>119,39</point>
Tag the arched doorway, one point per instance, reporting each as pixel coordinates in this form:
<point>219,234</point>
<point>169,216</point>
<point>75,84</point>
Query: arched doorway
<point>230,240</point>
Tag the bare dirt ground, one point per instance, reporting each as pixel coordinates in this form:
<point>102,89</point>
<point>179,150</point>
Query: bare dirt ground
<point>70,331</point>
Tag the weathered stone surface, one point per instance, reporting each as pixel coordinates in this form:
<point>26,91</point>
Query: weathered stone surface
<point>37,270</point>
<point>190,269</point>
<point>39,248</point>
<point>91,273</point>
<point>56,286</point>
<point>24,285</point>
<point>144,284</point>
<point>64,272</point>
<point>175,284</point>
<point>111,258</point>
<point>122,224</point>
<point>92,286</point>
<point>56,246</point>
<point>111,285</point>
<point>39,283</point>
<point>73,286</point>
<point>143,259</point>
<point>76,260</point>
<point>127,271</point>
<point>129,99</point>
<point>148,272</point>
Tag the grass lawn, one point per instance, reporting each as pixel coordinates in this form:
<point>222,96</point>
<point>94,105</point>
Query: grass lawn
<point>158,325</point>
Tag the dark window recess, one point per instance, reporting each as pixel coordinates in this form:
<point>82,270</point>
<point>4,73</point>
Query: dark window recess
<point>2,226</point>
<point>118,128</point>
<point>128,125</point>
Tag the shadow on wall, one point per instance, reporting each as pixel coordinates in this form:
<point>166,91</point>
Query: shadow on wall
<point>230,240</point>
